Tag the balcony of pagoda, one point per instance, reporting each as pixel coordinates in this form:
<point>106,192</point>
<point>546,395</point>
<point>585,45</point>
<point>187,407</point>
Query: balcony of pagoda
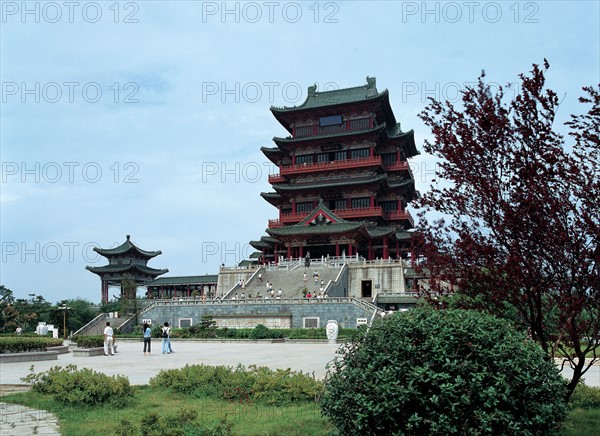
<point>399,215</point>
<point>276,178</point>
<point>275,224</point>
<point>330,165</point>
<point>396,166</point>
<point>365,212</point>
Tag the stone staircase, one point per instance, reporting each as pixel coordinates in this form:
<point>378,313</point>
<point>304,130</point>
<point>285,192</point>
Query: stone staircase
<point>290,281</point>
<point>96,326</point>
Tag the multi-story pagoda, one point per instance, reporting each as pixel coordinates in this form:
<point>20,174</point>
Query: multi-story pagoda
<point>344,181</point>
<point>125,262</point>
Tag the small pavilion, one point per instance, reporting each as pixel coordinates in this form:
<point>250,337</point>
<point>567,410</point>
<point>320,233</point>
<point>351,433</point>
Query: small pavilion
<point>125,262</point>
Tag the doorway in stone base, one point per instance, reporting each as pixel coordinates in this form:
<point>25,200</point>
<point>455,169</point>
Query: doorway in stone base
<point>366,287</point>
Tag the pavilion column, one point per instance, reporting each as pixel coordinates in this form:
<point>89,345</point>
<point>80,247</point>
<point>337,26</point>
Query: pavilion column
<point>301,251</point>
<point>337,249</point>
<point>349,248</point>
<point>188,291</point>
<point>397,249</point>
<point>370,252</point>
<point>372,201</point>
<point>399,205</point>
<point>371,152</point>
<point>397,155</point>
<point>104,291</point>
<point>293,206</point>
<point>289,251</point>
<point>293,159</point>
<point>386,253</point>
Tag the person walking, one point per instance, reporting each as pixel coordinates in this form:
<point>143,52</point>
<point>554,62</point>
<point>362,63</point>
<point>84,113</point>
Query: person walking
<point>147,339</point>
<point>109,341</point>
<point>166,336</point>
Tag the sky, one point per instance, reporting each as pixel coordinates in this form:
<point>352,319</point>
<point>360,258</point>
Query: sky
<point>146,118</point>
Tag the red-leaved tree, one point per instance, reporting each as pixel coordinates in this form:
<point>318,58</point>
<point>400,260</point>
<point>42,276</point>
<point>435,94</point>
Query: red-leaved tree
<point>523,218</point>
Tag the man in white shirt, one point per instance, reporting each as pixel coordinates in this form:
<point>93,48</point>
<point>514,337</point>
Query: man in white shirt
<point>108,340</point>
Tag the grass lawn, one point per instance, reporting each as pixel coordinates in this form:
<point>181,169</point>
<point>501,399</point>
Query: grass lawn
<point>245,418</point>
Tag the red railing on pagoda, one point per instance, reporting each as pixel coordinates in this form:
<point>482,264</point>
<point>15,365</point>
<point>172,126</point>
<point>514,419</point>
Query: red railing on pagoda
<point>275,224</point>
<point>396,166</point>
<point>331,165</point>
<point>399,215</point>
<point>276,178</point>
<point>359,213</point>
<point>288,218</point>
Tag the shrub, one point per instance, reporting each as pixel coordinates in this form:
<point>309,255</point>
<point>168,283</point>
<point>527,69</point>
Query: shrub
<point>89,341</point>
<point>72,386</point>
<point>443,372</point>
<point>20,344</point>
<point>585,396</point>
<point>254,383</point>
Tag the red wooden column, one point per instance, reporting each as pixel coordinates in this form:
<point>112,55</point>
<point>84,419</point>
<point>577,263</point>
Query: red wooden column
<point>337,249</point>
<point>293,206</point>
<point>349,249</point>
<point>289,253</point>
<point>370,251</point>
<point>386,253</point>
<point>301,251</point>
<point>371,152</point>
<point>372,201</point>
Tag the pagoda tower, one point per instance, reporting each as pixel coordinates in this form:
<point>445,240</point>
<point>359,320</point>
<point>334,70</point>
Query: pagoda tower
<point>344,181</point>
<point>125,262</point>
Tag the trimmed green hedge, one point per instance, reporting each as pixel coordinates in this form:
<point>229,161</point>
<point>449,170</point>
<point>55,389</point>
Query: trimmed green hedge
<point>84,386</point>
<point>259,332</point>
<point>20,344</point>
<point>279,387</point>
<point>89,341</point>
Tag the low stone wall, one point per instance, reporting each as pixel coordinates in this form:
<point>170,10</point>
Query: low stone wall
<point>90,352</point>
<point>31,356</point>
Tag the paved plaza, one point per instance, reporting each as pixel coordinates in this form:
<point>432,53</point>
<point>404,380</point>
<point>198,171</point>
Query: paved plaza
<point>130,361</point>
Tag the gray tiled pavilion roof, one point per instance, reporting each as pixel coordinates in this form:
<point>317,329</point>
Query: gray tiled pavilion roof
<point>184,280</point>
<point>126,247</point>
<point>111,269</point>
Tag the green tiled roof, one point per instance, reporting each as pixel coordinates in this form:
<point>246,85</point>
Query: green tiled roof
<point>126,247</point>
<point>272,153</point>
<point>316,230</point>
<point>259,245</point>
<point>339,96</point>
<point>330,183</point>
<point>256,255</point>
<point>377,232</point>
<point>400,183</point>
<point>403,235</point>
<point>184,280</point>
<point>110,269</point>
